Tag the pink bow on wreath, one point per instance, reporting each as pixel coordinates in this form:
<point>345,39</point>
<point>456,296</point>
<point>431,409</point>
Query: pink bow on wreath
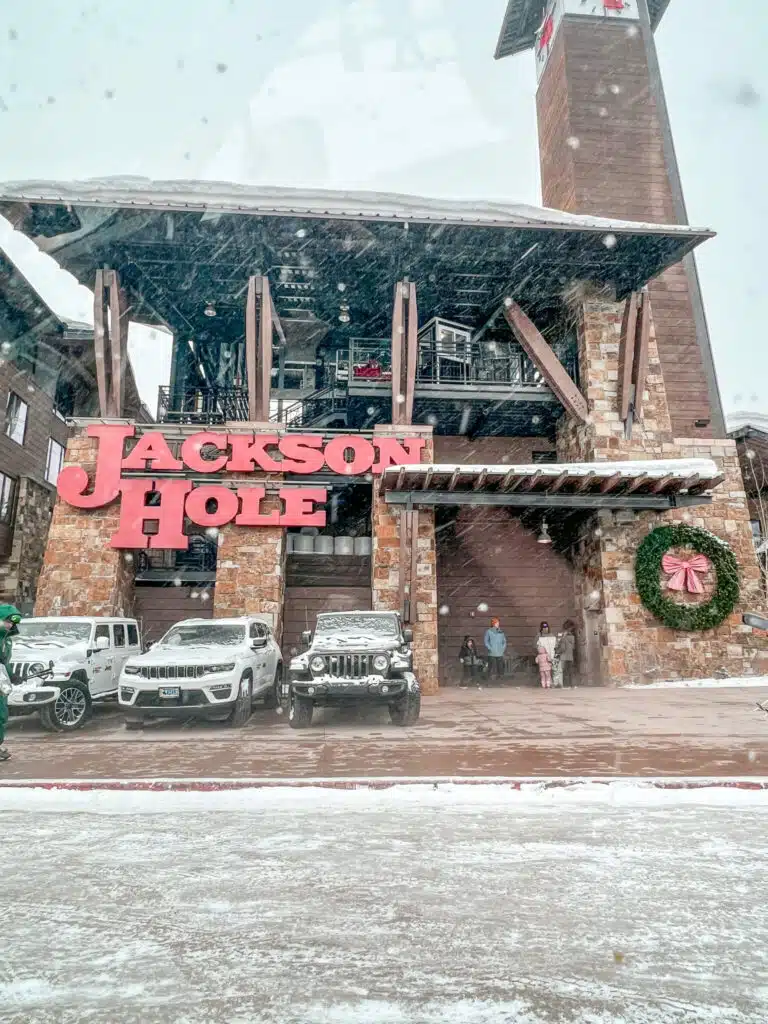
<point>683,572</point>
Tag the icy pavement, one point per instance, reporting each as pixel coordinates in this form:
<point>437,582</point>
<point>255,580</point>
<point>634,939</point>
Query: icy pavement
<point>596,905</point>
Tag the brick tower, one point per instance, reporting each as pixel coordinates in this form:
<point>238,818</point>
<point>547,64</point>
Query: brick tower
<point>605,147</point>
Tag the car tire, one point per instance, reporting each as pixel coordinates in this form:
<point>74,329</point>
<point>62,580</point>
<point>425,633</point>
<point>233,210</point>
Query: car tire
<point>132,724</point>
<point>71,709</point>
<point>407,710</point>
<point>272,696</point>
<point>300,712</point>
<point>241,712</point>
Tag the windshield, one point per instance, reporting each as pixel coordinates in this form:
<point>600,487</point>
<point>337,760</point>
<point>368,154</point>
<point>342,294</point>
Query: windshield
<point>47,631</point>
<point>204,635</point>
<point>358,625</point>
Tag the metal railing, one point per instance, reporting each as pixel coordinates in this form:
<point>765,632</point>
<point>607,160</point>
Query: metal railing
<point>200,556</point>
<point>304,412</point>
<point>206,405</point>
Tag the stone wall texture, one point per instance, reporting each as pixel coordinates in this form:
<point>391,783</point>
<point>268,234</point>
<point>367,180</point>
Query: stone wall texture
<point>82,574</point>
<point>386,524</point>
<point>633,645</point>
<point>250,569</point>
<point>20,573</point>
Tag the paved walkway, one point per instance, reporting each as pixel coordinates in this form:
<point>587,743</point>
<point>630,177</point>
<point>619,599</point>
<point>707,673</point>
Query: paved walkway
<point>509,732</point>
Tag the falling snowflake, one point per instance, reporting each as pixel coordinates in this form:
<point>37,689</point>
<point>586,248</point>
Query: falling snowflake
<point>609,241</point>
<point>603,111</point>
<point>205,596</point>
<point>535,420</point>
<point>598,533</point>
<point>128,558</point>
<point>212,531</point>
<point>751,756</point>
<point>443,609</point>
<point>341,286</point>
<point>594,595</point>
<point>301,233</point>
<point>30,388</point>
<point>482,607</point>
<point>177,581</point>
<point>432,420</point>
<point>615,89</point>
<point>5,347</point>
<point>751,454</point>
<point>632,31</point>
<point>400,399</point>
<point>573,141</point>
<point>371,410</point>
<point>194,595</point>
<point>507,302</point>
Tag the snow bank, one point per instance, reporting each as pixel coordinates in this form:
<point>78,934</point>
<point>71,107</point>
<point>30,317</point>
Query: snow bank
<point>504,794</point>
<point>715,684</point>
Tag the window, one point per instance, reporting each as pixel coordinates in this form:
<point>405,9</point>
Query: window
<point>133,636</point>
<point>119,635</point>
<point>100,632</point>
<point>16,418</point>
<point>54,460</point>
<point>757,532</point>
<point>7,509</point>
<point>544,456</point>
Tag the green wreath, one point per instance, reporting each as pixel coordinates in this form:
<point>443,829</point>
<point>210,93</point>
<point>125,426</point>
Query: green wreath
<point>648,578</point>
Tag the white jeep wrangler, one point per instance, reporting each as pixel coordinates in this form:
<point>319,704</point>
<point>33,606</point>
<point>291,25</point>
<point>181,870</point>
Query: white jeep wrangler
<point>204,668</point>
<point>62,666</point>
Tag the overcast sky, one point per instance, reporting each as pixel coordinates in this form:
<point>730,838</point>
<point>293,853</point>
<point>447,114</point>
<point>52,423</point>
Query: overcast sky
<point>397,95</point>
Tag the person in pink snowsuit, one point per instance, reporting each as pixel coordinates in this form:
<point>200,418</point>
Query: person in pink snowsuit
<point>545,668</point>
<point>546,645</point>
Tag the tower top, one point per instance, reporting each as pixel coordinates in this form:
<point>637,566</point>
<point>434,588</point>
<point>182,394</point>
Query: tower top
<point>523,19</point>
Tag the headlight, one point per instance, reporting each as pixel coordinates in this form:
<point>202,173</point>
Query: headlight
<point>36,668</point>
<point>381,663</point>
<point>210,670</point>
<point>131,670</point>
<point>317,664</point>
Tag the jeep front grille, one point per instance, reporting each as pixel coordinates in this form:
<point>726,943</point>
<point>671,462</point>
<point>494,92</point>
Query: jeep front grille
<point>171,671</point>
<point>349,666</point>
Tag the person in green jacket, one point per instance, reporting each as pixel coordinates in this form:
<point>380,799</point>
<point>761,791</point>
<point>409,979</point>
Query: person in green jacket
<point>10,618</point>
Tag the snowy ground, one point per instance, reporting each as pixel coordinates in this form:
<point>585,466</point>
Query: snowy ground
<point>604,905</point>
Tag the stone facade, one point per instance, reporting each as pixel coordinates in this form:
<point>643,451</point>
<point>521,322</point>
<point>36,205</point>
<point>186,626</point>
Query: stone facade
<point>633,645</point>
<point>82,574</point>
<point>386,523</point>
<point>250,569</point>
<point>20,573</point>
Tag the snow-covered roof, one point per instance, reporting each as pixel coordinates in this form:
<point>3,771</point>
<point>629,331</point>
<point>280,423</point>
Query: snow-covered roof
<point>656,477</point>
<point>229,197</point>
<point>737,421</point>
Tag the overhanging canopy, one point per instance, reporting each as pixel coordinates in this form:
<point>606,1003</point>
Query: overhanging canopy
<point>653,484</point>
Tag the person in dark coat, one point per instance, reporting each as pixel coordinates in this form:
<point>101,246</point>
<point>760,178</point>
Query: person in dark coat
<point>10,618</point>
<point>471,661</point>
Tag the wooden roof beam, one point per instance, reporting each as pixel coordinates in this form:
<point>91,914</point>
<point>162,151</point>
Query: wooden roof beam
<point>557,483</point>
<point>546,362</point>
<point>609,483</point>
<point>641,352</point>
<point>627,354</point>
<point>637,483</point>
<point>480,480</point>
<point>585,482</point>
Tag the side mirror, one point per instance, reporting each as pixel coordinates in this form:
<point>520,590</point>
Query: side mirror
<point>258,643</point>
<point>755,621</point>
<point>306,637</point>
<point>408,636</point>
<point>102,643</point>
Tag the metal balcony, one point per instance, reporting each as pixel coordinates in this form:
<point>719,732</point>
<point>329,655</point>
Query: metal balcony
<point>204,406</point>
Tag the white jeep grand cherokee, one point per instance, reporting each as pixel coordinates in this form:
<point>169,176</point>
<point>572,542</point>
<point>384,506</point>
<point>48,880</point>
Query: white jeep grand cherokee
<point>203,668</point>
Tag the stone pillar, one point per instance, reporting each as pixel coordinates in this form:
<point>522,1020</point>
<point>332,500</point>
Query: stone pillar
<point>82,574</point>
<point>250,568</point>
<point>385,582</point>
<point>633,645</point>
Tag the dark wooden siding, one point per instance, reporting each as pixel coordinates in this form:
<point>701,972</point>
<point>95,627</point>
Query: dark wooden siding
<point>158,607</point>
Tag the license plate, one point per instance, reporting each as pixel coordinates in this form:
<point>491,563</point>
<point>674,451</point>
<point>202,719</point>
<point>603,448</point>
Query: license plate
<point>169,691</point>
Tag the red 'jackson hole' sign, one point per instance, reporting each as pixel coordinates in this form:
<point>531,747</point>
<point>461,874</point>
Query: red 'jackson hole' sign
<point>164,500</point>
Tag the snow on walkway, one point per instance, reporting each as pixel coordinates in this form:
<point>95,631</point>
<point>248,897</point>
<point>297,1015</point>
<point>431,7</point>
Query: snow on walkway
<point>681,684</point>
<point>610,904</point>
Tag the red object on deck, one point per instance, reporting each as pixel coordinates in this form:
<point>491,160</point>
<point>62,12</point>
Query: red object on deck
<point>613,5</point>
<point>547,31</point>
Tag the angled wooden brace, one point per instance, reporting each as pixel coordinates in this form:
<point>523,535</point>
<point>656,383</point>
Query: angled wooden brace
<point>411,353</point>
<point>633,357</point>
<point>258,347</point>
<point>546,362</point>
<point>110,340</point>
<point>399,355</point>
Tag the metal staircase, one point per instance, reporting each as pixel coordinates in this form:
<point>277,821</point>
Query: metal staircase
<point>312,409</point>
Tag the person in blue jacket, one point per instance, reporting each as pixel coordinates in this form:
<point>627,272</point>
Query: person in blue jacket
<point>496,645</point>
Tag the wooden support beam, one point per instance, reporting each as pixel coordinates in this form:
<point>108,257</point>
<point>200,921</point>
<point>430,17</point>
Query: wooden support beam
<point>639,482</point>
<point>627,354</point>
<point>689,482</point>
<point>428,479</point>
<point>511,481</point>
<point>398,353</point>
<point>480,480</point>
<point>411,354</point>
<point>707,485</point>
<point>251,337</point>
<point>530,482</point>
<point>414,540</point>
<point>264,365</point>
<point>659,486</point>
<point>609,483</point>
<point>118,337</point>
<point>585,482</point>
<point>541,355</point>
<point>454,479</point>
<point>558,482</point>
<point>100,328</point>
<point>400,480</point>
<point>403,527</point>
<point>641,352</point>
